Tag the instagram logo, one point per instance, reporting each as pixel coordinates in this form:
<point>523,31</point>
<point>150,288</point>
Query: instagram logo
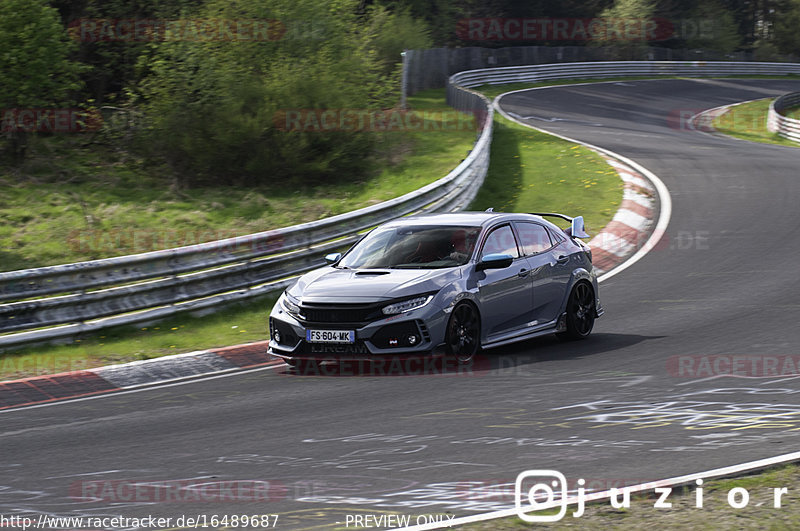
<point>535,490</point>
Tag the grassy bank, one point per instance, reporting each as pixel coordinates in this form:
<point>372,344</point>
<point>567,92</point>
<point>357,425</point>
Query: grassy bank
<point>74,200</point>
<point>530,171</point>
<point>748,121</point>
<point>716,513</point>
<point>231,325</point>
<point>536,172</point>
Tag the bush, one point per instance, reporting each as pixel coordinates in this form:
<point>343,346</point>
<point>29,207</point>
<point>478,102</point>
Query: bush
<point>212,106</point>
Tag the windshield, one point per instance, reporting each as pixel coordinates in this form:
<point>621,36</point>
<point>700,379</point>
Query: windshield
<point>414,247</point>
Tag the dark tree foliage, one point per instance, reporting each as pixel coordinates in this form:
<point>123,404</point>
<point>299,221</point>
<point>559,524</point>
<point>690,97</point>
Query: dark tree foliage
<point>209,108</point>
<point>112,64</point>
<point>35,67</point>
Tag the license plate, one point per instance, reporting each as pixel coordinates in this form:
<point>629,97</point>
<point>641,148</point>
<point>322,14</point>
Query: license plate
<point>330,336</point>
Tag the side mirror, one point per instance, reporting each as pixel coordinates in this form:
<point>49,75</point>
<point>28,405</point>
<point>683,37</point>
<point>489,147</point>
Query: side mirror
<point>576,231</point>
<point>333,258</point>
<point>494,261</point>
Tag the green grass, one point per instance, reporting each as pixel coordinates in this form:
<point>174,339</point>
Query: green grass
<point>748,121</point>
<point>234,324</point>
<point>793,113</point>
<point>536,172</point>
<point>529,171</point>
<point>74,201</point>
<point>715,514</point>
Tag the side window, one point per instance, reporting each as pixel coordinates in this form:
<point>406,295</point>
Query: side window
<point>556,236</point>
<point>501,241</point>
<point>533,237</point>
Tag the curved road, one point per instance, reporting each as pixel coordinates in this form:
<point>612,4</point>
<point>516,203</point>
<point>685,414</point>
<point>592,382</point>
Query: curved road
<point>645,398</point>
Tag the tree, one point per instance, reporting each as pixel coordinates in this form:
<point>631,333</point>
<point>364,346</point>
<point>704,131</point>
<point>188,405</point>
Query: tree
<point>391,32</point>
<point>615,39</point>
<point>34,62</point>
<point>714,29</point>
<point>213,107</point>
<point>787,38</point>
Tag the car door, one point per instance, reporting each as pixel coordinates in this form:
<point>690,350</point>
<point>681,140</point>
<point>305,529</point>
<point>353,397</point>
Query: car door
<point>549,268</point>
<point>505,294</point>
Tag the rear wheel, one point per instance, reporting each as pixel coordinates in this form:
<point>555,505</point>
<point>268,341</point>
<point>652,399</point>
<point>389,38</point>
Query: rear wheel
<point>463,333</point>
<point>580,312</point>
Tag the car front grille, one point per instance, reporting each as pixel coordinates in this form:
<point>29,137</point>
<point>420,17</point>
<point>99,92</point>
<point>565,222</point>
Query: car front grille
<point>341,313</point>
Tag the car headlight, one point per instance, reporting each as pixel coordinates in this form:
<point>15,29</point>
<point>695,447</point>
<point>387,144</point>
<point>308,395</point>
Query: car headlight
<point>407,306</point>
<point>291,305</point>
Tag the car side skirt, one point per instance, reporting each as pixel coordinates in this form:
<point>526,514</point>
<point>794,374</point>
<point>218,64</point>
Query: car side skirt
<point>526,333</point>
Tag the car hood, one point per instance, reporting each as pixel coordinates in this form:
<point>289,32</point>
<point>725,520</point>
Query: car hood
<point>329,285</point>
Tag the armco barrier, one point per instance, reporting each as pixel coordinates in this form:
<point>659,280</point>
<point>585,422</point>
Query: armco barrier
<point>777,122</point>
<point>534,74</point>
<point>131,289</point>
<point>143,287</point>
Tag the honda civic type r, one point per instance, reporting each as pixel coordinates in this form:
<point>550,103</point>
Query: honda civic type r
<point>442,285</point>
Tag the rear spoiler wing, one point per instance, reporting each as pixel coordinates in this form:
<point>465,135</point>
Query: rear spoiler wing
<point>575,231</point>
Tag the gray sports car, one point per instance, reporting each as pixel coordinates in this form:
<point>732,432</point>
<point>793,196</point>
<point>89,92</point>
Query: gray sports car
<point>443,284</point>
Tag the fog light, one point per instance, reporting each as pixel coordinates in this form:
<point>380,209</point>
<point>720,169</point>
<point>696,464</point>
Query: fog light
<point>276,336</point>
<point>412,340</point>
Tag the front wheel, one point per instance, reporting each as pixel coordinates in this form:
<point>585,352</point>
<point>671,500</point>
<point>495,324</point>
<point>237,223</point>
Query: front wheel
<point>580,313</point>
<point>463,333</point>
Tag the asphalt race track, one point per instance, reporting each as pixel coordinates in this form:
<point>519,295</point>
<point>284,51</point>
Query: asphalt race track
<point>646,397</point>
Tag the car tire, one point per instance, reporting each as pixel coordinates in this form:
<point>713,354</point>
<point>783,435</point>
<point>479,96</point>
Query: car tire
<point>463,337</point>
<point>580,311</point>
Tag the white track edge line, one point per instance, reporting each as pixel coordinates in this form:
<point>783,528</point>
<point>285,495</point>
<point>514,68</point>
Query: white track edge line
<point>669,482</point>
<point>665,210</point>
<point>663,222</point>
<point>125,391</point>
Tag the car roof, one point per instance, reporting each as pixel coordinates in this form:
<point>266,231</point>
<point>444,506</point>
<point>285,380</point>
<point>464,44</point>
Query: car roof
<point>465,218</point>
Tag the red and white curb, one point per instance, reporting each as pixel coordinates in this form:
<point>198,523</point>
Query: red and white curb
<point>136,374</point>
<point>614,249</point>
<point>631,225</point>
<point>635,230</point>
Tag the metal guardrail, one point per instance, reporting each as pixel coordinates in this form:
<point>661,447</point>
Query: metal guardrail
<point>144,287</point>
<point>777,122</point>
<point>537,73</point>
<point>75,298</point>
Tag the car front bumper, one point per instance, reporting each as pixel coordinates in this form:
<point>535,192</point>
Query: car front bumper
<point>376,340</point>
